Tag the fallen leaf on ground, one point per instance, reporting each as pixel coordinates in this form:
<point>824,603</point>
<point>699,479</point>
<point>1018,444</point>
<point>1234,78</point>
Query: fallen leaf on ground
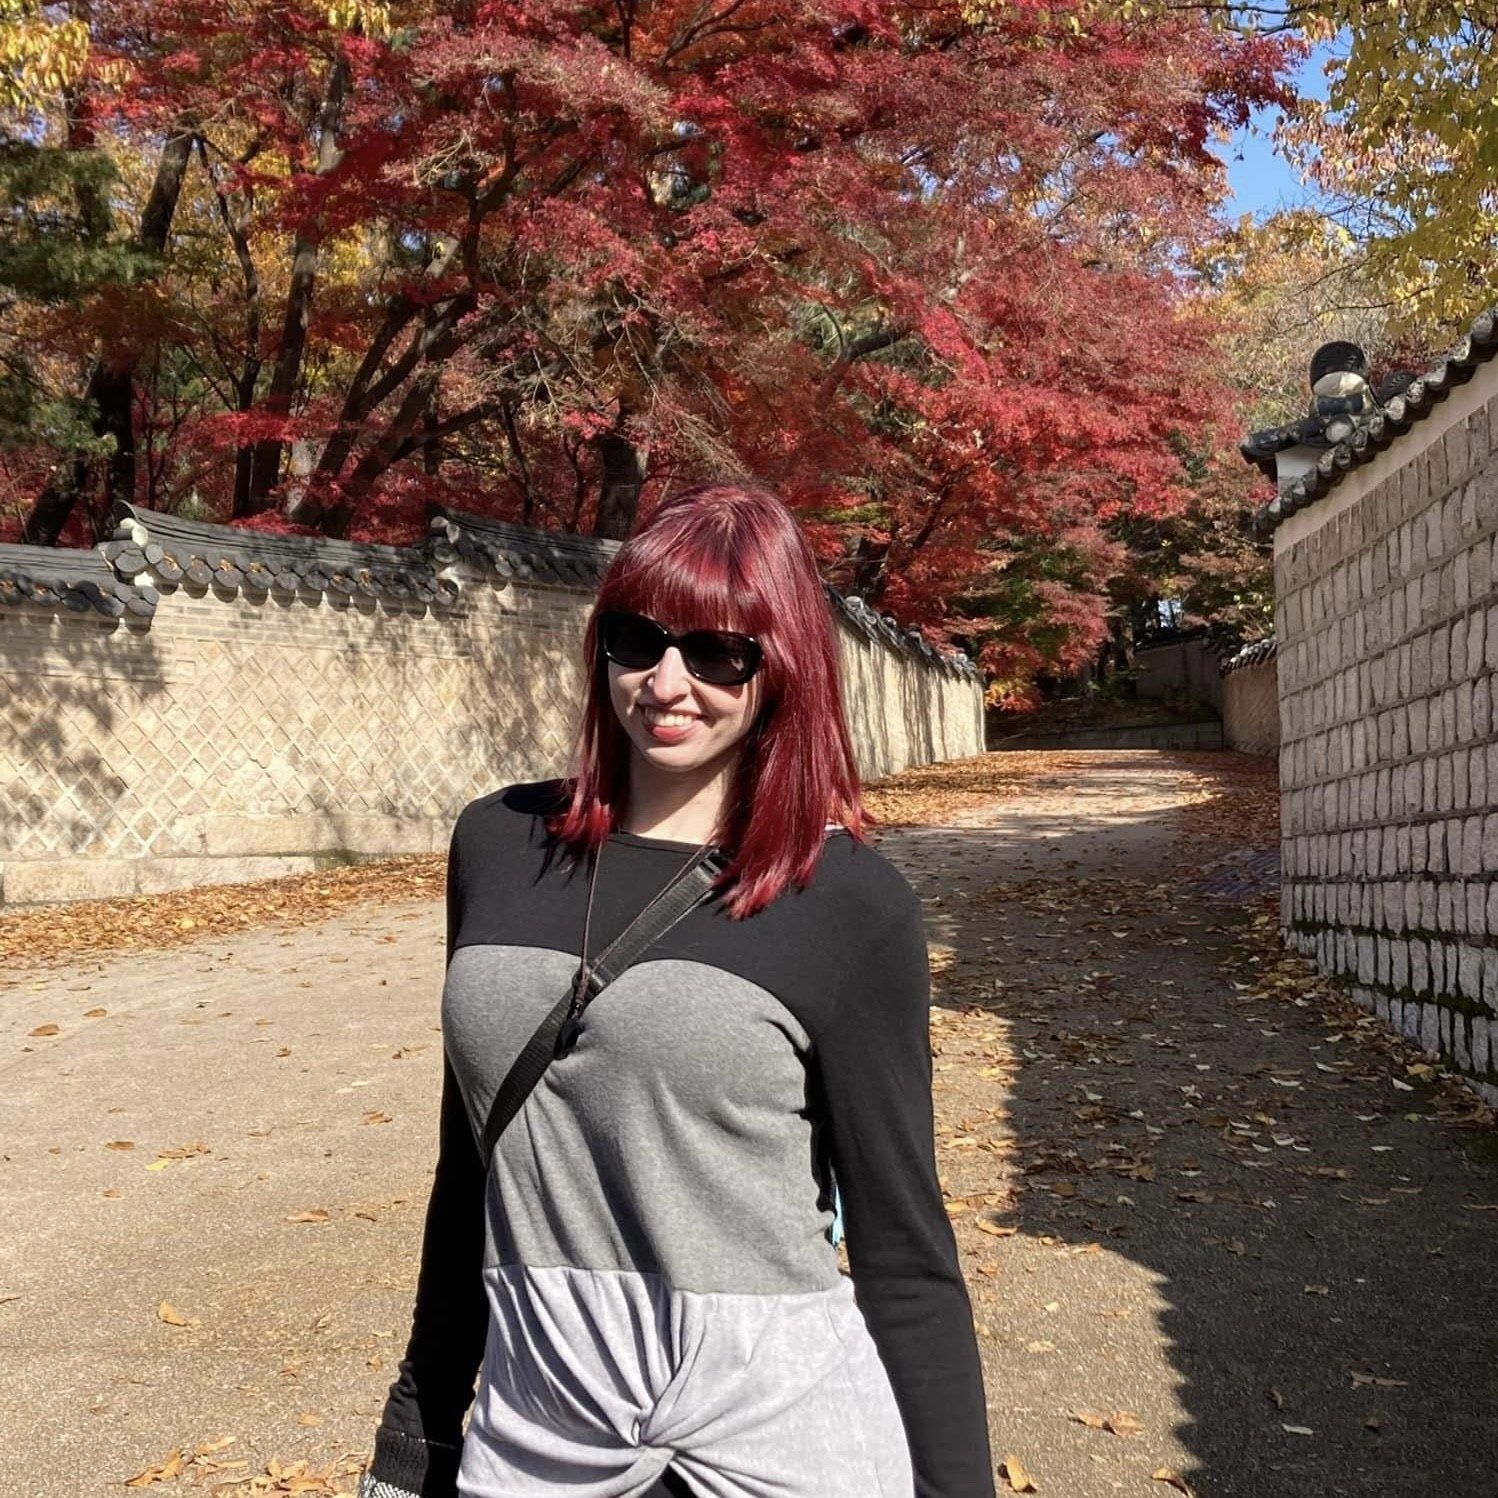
<point>316,1214</point>
<point>987,1224</point>
<point>1174,1478</point>
<point>167,1471</point>
<point>1014,1472</point>
<point>43,1030</point>
<point>168,1313</point>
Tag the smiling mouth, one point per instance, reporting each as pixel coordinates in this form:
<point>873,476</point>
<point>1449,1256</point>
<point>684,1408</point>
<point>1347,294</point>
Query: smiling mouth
<point>659,719</point>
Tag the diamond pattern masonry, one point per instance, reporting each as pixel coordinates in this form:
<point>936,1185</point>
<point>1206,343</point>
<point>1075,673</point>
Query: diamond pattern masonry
<point>236,707</point>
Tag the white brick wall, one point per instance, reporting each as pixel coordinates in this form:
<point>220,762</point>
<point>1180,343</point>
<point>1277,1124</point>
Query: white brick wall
<point>233,738</point>
<point>1387,621</point>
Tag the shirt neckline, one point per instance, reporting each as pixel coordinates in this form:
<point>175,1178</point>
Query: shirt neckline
<point>639,840</point>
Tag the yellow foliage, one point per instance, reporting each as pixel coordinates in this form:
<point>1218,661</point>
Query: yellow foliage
<point>38,55</point>
<point>366,16</point>
<point>1407,140</point>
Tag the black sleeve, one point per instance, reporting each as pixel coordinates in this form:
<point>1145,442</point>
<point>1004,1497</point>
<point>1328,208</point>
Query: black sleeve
<point>421,1431</point>
<point>875,1064</point>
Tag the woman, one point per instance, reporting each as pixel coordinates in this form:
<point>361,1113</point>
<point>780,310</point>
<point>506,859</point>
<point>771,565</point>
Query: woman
<point>642,1277</point>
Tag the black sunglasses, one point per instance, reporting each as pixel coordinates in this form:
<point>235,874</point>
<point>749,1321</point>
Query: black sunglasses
<point>716,656</point>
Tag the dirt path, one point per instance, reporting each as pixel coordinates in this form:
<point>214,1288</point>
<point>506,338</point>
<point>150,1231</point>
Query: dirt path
<point>1192,1193</point>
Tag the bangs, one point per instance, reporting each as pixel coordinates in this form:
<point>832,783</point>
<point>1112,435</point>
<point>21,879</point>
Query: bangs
<point>690,581</point>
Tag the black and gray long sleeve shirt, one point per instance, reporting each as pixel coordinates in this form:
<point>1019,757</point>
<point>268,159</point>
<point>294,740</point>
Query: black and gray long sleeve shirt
<point>645,1276</point>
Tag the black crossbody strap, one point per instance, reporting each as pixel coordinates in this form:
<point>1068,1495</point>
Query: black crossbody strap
<point>540,1050</point>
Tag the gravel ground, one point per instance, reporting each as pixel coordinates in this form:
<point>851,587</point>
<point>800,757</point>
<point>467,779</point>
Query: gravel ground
<point>1221,1237</point>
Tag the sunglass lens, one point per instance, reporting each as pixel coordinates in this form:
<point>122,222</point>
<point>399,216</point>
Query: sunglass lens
<point>632,642</point>
<point>721,659</point>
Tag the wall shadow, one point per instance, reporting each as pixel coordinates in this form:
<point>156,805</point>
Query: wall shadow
<point>1239,1170</point>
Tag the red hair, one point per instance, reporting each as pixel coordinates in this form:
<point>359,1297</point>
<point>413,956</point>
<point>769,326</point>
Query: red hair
<point>731,556</point>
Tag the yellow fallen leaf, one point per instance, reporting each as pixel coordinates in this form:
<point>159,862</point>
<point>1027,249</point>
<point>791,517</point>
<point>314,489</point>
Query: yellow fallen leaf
<point>43,1030</point>
<point>119,1144</point>
<point>166,1471</point>
<point>307,1417</point>
<point>160,1164</point>
<point>317,1214</point>
<point>376,1116</point>
<point>987,1224</point>
<point>1174,1478</point>
<point>168,1313</point>
<point>94,1013</point>
<point>1019,1480</point>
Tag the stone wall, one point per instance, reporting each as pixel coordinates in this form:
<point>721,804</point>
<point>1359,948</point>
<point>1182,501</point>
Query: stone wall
<point>207,706</point>
<point>1387,622</point>
<point>1250,701</point>
<point>1179,668</point>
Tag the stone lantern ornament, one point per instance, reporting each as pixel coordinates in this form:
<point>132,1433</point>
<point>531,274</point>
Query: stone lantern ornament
<point>1342,402</point>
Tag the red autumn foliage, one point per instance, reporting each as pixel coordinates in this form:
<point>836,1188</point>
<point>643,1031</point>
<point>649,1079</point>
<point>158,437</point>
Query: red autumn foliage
<point>919,265</point>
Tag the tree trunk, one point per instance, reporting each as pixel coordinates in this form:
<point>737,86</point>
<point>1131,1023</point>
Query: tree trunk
<point>111,383</point>
<point>265,466</point>
<point>619,494</point>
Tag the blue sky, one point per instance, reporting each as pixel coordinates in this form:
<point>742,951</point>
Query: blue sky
<point>1260,180</point>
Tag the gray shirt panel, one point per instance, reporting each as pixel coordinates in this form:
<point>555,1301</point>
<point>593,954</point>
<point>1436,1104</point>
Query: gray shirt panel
<point>676,1139</point>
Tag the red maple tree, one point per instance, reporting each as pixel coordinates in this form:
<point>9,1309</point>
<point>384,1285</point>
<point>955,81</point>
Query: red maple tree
<point>918,265</point>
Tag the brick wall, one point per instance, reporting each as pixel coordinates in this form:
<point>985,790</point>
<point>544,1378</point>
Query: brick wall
<point>1387,621</point>
<point>1251,708</point>
<point>1182,668</point>
<point>231,737</point>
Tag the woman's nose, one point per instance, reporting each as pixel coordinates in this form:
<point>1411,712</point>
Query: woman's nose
<point>670,679</point>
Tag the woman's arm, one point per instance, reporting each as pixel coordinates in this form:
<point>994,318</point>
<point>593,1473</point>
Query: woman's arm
<point>421,1431</point>
<point>875,1064</point>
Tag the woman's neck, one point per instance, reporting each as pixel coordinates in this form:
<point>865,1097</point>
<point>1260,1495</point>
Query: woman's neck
<point>681,808</point>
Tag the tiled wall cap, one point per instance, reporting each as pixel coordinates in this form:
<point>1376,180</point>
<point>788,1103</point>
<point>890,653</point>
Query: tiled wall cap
<point>1477,347</point>
<point>230,557</point>
<point>50,577</point>
<point>517,551</point>
<point>1254,654</point>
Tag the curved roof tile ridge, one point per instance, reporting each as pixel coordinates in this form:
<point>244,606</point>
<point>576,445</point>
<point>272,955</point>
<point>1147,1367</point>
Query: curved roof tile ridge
<point>1478,346</point>
<point>883,629</point>
<point>230,557</point>
<point>1254,654</point>
<point>73,578</point>
<point>516,550</point>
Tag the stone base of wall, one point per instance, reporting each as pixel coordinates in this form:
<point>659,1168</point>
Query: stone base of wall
<point>1435,993</point>
<point>1137,736</point>
<point>57,880</point>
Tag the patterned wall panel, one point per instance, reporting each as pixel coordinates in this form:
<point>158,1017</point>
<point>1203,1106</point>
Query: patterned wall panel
<point>197,704</point>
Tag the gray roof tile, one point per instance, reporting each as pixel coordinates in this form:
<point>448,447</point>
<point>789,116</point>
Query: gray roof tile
<point>1381,430</point>
<point>231,557</point>
<point>81,581</point>
<point>1254,654</point>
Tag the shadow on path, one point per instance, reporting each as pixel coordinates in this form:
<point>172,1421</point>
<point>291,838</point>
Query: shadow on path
<point>1185,1190</point>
